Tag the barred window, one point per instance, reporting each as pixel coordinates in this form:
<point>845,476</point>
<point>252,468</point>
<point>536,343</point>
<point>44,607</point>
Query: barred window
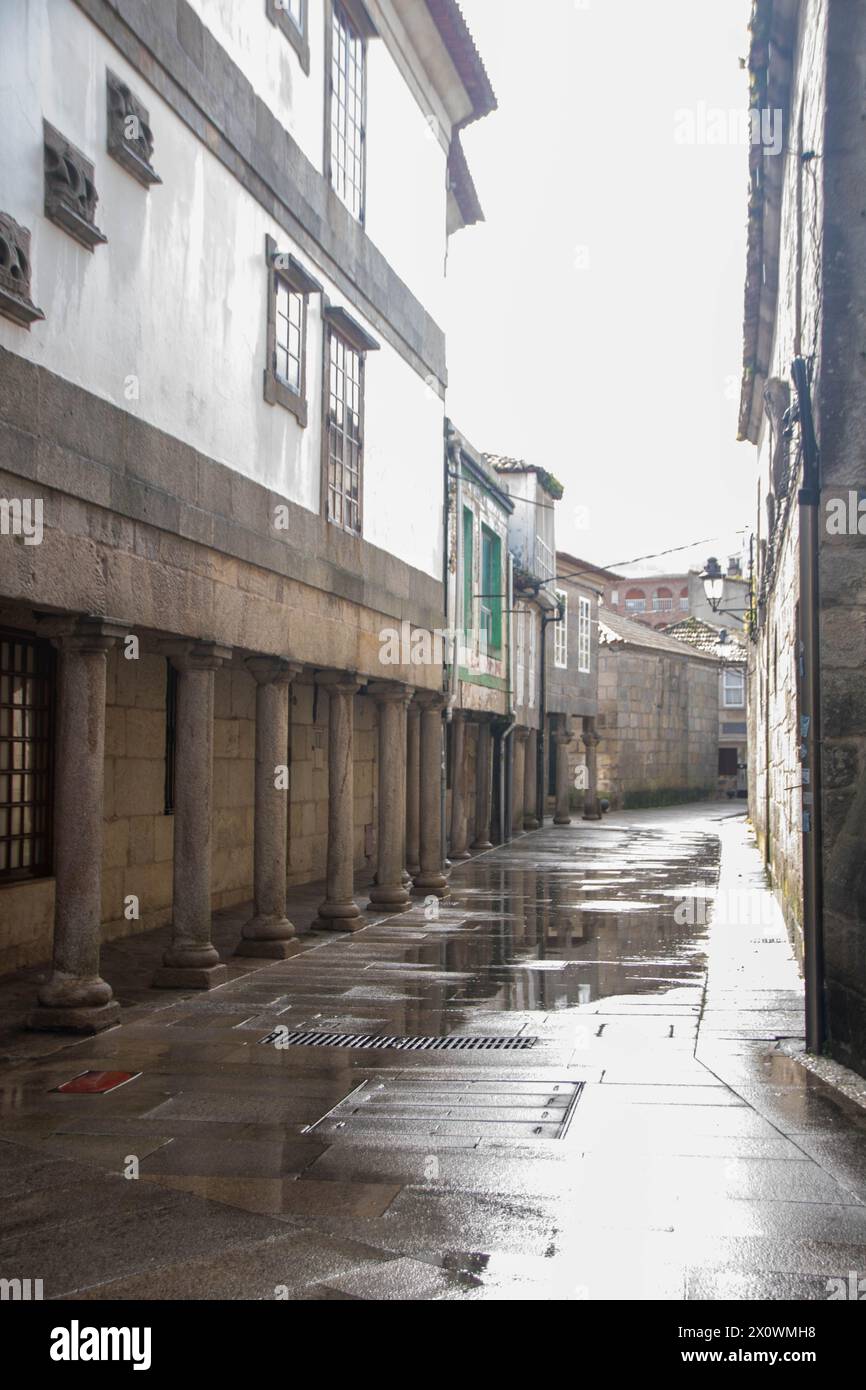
<point>26,739</point>
<point>345,444</point>
<point>347,117</point>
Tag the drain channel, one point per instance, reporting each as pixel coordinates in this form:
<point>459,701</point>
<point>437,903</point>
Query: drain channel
<point>281,1037</point>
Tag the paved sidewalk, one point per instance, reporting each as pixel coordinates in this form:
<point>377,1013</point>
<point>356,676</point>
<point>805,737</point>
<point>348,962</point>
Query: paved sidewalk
<point>656,1141</point>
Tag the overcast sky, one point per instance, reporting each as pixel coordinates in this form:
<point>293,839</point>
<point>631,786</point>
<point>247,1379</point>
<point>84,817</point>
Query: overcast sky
<point>595,318</point>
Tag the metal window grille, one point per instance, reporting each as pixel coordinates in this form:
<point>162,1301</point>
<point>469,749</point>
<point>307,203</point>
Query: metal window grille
<point>26,749</point>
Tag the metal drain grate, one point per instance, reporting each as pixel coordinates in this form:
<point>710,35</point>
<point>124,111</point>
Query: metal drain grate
<point>281,1037</point>
<point>491,1108</point>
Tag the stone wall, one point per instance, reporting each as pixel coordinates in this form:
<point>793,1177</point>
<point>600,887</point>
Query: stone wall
<point>138,834</point>
<point>842,559</point>
<point>658,725</point>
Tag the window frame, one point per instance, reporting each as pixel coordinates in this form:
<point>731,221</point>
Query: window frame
<point>297,35</point>
<point>285,270</point>
<point>584,635</point>
<point>739,703</point>
<point>336,322</point>
<point>43,868</point>
<point>491,588</point>
<point>560,633</point>
<point>354,18</point>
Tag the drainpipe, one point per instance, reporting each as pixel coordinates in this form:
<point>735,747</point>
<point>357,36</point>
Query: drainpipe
<point>454,620</point>
<point>810,714</point>
<point>506,742</point>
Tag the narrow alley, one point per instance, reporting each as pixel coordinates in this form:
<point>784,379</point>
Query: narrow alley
<point>635,1123</point>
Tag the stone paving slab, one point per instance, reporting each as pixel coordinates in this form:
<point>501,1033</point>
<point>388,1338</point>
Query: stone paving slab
<point>700,1161</point>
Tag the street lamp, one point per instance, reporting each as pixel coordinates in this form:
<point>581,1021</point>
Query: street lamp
<point>714,583</point>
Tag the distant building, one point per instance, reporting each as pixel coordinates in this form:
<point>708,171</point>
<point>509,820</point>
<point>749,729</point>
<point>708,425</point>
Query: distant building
<point>532,544</point>
<point>479,654</point>
<point>572,693</point>
<point>658,716</point>
<point>731,653</point>
<point>658,600</point>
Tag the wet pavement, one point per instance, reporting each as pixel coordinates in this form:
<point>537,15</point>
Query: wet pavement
<point>636,1125</point>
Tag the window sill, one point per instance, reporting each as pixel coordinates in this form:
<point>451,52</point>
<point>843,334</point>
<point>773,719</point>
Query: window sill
<point>276,392</point>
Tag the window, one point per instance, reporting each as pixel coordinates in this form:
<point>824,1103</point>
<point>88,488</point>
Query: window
<point>290,16</point>
<point>733,687</point>
<point>520,644</point>
<point>684,600</point>
<point>346,344</point>
<point>663,601</point>
<point>614,598</point>
<point>468,571</point>
<point>584,634</point>
<point>345,386</point>
<point>289,284</point>
<point>491,590</point>
<point>560,632</point>
<point>635,601</point>
<point>727,762</point>
<point>530,673</point>
<point>26,746</point>
<point>345,155</point>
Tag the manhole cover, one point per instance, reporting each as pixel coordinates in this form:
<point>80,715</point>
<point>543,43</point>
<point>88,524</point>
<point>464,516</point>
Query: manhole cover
<point>490,1107</point>
<point>281,1037</point>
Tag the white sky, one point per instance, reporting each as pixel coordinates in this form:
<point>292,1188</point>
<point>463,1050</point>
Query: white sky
<point>621,377</point>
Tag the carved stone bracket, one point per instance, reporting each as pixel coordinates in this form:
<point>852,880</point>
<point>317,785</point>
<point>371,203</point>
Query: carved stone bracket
<point>70,192</point>
<point>15,301</point>
<point>130,138</point>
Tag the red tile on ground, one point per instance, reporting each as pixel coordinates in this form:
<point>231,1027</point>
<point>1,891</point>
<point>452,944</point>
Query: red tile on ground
<point>95,1083</point>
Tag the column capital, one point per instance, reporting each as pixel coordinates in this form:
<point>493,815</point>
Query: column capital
<point>431,699</point>
<point>590,738</point>
<point>88,633</point>
<point>521,734</point>
<point>563,735</point>
<point>272,670</point>
<point>386,691</point>
<point>341,682</point>
<point>191,655</point>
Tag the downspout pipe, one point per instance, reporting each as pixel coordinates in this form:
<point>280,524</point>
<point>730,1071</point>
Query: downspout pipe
<point>808,638</point>
<point>506,742</point>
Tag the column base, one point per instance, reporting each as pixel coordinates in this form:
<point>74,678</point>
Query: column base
<point>388,899</point>
<point>339,917</point>
<point>562,820</point>
<point>266,935</point>
<point>430,885</point>
<point>455,855</point>
<point>530,823</point>
<point>190,977</point>
<point>482,844</point>
<point>80,1018</point>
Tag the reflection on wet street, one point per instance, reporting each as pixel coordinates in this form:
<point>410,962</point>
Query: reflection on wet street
<point>619,1112</point>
